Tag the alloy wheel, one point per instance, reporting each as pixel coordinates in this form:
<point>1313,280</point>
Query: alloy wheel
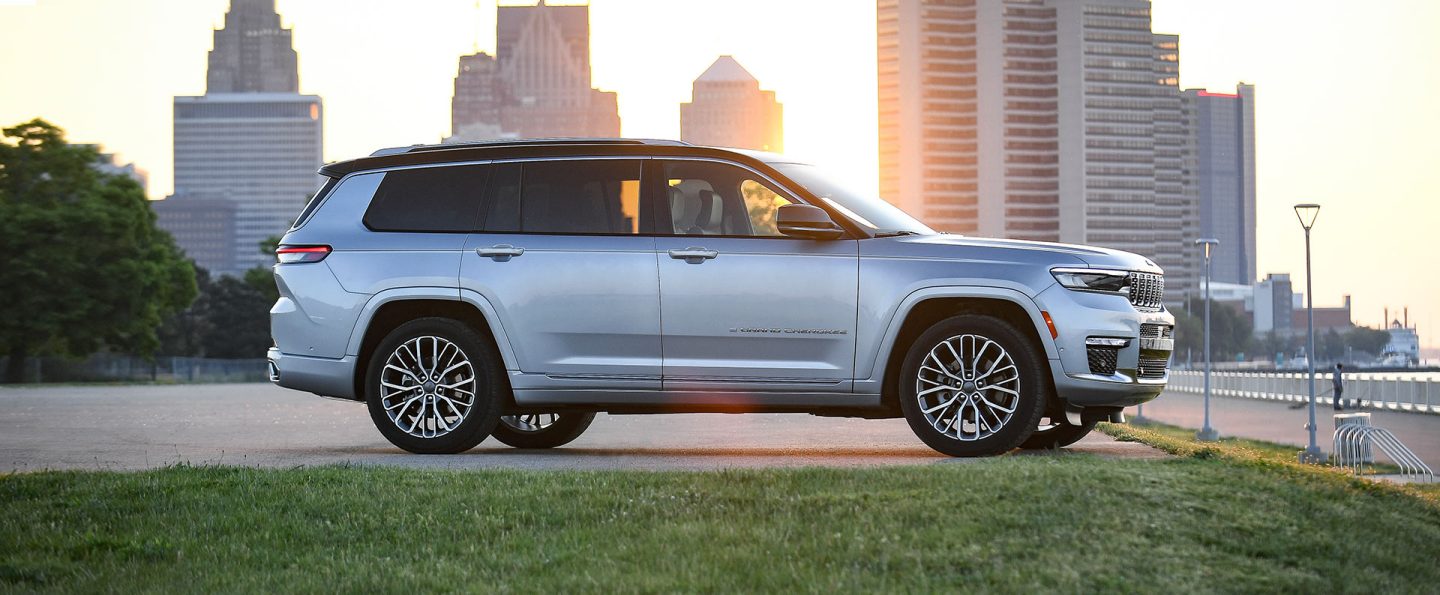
<point>427,387</point>
<point>967,387</point>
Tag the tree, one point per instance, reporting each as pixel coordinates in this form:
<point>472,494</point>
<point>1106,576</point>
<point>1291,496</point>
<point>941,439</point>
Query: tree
<point>84,266</point>
<point>1229,330</point>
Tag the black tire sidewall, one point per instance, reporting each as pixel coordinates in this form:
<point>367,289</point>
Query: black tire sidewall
<point>1057,436</point>
<point>490,387</point>
<point>1029,363</point>
<point>567,428</point>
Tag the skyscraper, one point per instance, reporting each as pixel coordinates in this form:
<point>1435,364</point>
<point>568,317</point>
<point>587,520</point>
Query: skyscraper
<point>251,140</point>
<point>538,82</point>
<point>729,109</point>
<point>252,52</point>
<point>1223,133</point>
<point>1053,120</point>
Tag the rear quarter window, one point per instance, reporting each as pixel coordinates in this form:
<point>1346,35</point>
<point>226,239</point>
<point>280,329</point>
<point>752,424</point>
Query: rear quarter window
<point>428,199</point>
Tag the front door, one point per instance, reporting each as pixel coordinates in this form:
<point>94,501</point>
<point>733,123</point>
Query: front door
<point>575,284</point>
<point>744,308</point>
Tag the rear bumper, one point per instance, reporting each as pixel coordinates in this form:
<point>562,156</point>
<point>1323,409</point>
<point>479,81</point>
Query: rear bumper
<point>323,376</point>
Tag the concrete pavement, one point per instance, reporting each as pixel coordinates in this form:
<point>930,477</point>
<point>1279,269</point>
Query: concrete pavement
<point>1275,421</point>
<point>141,427</point>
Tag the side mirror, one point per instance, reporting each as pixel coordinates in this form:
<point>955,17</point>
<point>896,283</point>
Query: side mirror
<point>806,221</point>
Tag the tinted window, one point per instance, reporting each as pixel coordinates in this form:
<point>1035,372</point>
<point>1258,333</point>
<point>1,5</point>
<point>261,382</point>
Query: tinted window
<point>577,197</point>
<point>707,198</point>
<point>443,199</point>
<point>502,199</point>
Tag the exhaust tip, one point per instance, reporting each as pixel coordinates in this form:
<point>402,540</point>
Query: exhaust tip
<point>274,371</point>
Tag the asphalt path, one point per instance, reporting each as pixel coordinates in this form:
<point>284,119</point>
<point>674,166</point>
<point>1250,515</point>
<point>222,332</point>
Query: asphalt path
<point>143,426</point>
<point>1283,423</point>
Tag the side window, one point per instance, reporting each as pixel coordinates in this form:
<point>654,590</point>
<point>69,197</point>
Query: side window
<point>429,199</point>
<point>502,199</point>
<point>576,197</point>
<point>708,198</point>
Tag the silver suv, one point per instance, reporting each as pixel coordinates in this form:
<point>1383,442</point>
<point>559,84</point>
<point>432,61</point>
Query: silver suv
<point>514,289</point>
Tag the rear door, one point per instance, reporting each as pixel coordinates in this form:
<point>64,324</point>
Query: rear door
<point>744,308</point>
<point>568,263</point>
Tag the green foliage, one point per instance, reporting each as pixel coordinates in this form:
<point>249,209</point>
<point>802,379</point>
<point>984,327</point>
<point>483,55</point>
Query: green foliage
<point>85,267</point>
<point>230,318</point>
<point>1367,340</point>
<point>1229,331</point>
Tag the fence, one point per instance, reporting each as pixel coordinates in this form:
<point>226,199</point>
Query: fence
<point>120,368</point>
<point>1421,395</point>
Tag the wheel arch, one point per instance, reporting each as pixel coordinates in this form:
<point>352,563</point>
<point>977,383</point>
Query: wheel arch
<point>925,307</point>
<point>390,309</point>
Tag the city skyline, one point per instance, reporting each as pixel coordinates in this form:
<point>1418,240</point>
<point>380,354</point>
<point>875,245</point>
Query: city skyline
<point>1368,170</point>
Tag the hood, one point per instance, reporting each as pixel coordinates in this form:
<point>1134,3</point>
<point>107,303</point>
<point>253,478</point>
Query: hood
<point>929,245</point>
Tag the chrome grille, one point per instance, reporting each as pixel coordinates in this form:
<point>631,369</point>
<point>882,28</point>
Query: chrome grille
<point>1157,331</point>
<point>1147,290</point>
<point>1152,367</point>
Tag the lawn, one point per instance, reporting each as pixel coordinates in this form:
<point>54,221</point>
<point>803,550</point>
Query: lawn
<point>1017,523</point>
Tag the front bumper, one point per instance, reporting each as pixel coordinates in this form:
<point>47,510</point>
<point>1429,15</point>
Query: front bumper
<point>323,376</point>
<point>1081,315</point>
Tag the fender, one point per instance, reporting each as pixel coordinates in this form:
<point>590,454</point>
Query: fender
<point>362,323</point>
<point>902,311</point>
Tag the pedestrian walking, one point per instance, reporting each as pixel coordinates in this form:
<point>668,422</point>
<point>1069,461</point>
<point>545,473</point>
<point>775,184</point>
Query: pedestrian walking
<point>1339,385</point>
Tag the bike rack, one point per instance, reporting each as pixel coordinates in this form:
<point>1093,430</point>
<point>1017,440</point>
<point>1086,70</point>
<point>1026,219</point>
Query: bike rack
<point>1351,446</point>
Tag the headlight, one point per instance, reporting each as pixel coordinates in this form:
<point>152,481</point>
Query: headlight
<point>1103,280</point>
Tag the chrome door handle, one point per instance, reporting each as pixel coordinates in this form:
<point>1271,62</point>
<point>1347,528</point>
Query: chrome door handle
<point>694,254</point>
<point>500,252</point>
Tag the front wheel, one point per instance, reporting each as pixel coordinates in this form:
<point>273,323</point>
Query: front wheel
<point>542,430</point>
<point>1057,434</point>
<point>972,385</point>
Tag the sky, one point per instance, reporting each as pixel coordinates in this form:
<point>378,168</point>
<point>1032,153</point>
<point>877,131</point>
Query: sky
<point>1348,97</point>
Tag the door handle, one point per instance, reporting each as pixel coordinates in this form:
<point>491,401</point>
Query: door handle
<point>694,254</point>
<point>500,252</point>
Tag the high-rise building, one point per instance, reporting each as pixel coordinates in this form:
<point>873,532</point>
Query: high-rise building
<point>252,52</point>
<point>1222,128</point>
<point>729,109</point>
<point>1053,120</point>
<point>537,84</point>
<point>108,164</point>
<point>204,227</point>
<point>251,139</point>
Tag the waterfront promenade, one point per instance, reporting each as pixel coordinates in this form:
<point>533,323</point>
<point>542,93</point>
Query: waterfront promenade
<point>1276,421</point>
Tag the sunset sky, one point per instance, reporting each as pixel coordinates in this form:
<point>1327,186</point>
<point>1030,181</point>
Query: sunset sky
<point>1348,96</point>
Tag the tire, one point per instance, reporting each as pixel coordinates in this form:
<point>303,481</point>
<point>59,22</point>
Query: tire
<point>960,410</point>
<point>542,430</point>
<point>429,416</point>
<point>1057,435</point>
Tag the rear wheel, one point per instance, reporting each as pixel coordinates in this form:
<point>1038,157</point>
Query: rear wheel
<point>434,386</point>
<point>972,385</point>
<point>542,430</point>
<point>1057,433</point>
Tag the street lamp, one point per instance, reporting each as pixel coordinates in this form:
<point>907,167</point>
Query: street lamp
<point>1207,433</point>
<point>1307,213</point>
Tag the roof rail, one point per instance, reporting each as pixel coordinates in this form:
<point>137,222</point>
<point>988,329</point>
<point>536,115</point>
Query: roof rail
<point>529,142</point>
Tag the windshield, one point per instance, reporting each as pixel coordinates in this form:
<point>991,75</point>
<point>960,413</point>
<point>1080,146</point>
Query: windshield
<point>866,210</point>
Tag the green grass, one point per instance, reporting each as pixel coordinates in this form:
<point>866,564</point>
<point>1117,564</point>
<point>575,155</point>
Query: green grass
<point>1015,524</point>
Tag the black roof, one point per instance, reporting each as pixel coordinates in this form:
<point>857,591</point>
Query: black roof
<point>521,148</point>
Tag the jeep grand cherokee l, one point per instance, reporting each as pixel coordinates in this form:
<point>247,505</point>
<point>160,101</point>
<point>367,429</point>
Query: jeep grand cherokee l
<point>514,289</point>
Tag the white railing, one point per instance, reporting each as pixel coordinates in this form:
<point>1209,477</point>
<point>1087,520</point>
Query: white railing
<point>1419,395</point>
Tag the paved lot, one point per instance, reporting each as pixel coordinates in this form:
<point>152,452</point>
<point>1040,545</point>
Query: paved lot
<point>140,427</point>
<point>1275,421</point>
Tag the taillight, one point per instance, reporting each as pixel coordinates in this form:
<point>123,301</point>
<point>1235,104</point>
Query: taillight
<point>293,254</point>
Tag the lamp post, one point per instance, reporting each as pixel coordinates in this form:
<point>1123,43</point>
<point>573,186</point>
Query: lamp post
<point>1207,433</point>
<point>1307,213</point>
